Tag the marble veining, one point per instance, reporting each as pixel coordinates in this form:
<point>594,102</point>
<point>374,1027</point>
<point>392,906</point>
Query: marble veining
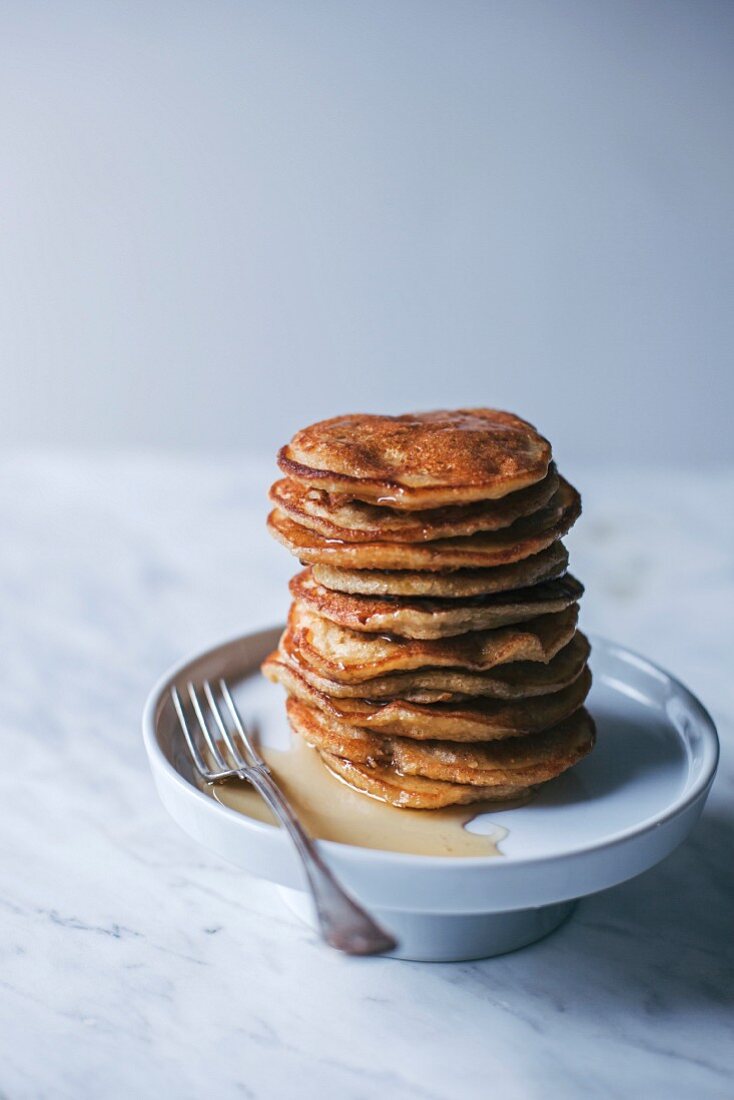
<point>134,963</point>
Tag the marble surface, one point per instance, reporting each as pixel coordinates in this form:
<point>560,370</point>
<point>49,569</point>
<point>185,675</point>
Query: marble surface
<point>136,964</point>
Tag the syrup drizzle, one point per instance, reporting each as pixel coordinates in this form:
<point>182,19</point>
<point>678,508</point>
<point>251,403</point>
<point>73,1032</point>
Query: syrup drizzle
<point>332,810</point>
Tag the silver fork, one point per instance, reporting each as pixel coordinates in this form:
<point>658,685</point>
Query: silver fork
<point>344,924</point>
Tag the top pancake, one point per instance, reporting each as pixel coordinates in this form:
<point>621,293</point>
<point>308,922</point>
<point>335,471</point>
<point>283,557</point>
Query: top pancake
<point>419,460</point>
<point>337,517</point>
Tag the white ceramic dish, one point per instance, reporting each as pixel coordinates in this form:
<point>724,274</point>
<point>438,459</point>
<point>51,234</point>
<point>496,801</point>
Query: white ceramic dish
<point>619,812</point>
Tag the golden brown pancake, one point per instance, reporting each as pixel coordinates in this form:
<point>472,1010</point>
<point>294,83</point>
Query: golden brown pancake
<point>415,792</point>
<point>337,517</point>
<point>419,460</point>
<point>517,761</point>
<point>482,720</point>
<point>457,584</point>
<point>517,680</point>
<point>352,657</point>
<point>432,619</point>
<point>524,538</point>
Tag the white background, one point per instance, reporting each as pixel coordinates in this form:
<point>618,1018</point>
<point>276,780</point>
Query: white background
<point>222,220</point>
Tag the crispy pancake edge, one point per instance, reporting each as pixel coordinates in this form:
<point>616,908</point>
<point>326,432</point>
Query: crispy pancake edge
<point>381,523</point>
<point>352,657</point>
<point>518,680</point>
<point>433,619</point>
<point>482,719</point>
<point>547,565</point>
<point>416,792</point>
<point>517,761</point>
<point>475,551</point>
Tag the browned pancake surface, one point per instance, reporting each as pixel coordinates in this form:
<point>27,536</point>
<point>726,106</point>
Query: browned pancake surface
<point>419,460</point>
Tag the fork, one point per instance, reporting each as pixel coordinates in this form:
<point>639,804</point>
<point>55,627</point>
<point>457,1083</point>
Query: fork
<point>343,923</point>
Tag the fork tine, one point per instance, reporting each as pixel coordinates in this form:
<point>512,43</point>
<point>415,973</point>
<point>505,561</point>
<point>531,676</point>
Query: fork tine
<point>198,759</point>
<point>221,726</point>
<point>211,743</point>
<point>240,726</point>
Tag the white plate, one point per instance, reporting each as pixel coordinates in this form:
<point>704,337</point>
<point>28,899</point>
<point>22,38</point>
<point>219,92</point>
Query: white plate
<point>620,811</point>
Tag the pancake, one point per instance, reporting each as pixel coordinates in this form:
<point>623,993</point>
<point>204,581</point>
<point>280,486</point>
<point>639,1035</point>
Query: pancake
<point>518,761</point>
<point>524,538</point>
<point>517,680</point>
<point>483,720</point>
<point>351,657</point>
<point>431,619</point>
<point>419,460</point>
<point>415,792</point>
<point>459,584</point>
<point>337,517</point>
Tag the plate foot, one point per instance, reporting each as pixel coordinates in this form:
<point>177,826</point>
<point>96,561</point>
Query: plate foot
<point>445,937</point>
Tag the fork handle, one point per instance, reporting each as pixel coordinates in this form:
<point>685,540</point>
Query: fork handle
<point>343,922</point>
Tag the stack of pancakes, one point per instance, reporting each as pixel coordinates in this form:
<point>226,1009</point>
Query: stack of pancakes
<point>431,654</point>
